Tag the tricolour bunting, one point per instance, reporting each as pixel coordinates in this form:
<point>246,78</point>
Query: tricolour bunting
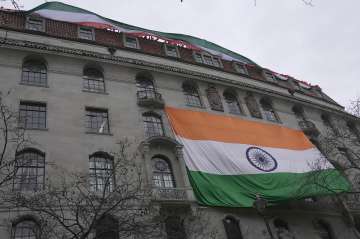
<point>230,160</point>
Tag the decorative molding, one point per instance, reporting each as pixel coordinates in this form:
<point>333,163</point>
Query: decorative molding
<point>214,98</point>
<point>253,106</point>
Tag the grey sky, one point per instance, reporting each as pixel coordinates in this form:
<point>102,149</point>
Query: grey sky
<point>317,44</point>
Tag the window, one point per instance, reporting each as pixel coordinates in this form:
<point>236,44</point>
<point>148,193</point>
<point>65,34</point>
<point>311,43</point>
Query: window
<point>174,227</point>
<point>240,68</point>
<point>282,229</point>
<point>329,124</point>
<point>32,115</point>
<point>107,228</point>
<point>25,229</point>
<point>232,103</point>
<point>353,130</point>
<point>323,229</point>
<point>171,51</point>
<point>97,120</point>
<point>30,170</point>
<point>35,24</point>
<point>253,106</point>
<point>269,111</point>
<point>146,88</point>
<point>131,42</point>
<point>34,72</point>
<point>153,125</point>
<point>232,228</point>
<point>207,59</point>
<point>191,93</point>
<point>269,76</point>
<point>86,33</point>
<point>93,80</point>
<point>101,172</point>
<point>162,173</point>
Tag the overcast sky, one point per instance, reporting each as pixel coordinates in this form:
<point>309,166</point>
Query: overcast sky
<point>319,44</point>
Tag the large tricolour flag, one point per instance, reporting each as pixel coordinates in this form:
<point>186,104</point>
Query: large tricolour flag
<point>231,160</point>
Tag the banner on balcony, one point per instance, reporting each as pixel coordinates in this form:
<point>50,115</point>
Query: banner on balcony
<point>231,160</point>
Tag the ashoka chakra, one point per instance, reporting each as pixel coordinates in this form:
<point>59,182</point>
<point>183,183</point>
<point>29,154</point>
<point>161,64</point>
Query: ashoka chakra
<point>261,159</point>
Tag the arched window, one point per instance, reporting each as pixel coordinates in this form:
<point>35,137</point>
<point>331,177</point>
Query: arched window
<point>174,227</point>
<point>282,229</point>
<point>34,72</point>
<point>323,229</point>
<point>232,228</point>
<point>145,85</point>
<point>191,93</point>
<point>162,173</point>
<point>30,170</point>
<point>93,80</point>
<point>232,102</point>
<point>101,172</point>
<point>107,228</point>
<point>299,112</point>
<point>353,129</point>
<point>269,111</point>
<point>253,106</point>
<point>153,125</point>
<point>25,229</point>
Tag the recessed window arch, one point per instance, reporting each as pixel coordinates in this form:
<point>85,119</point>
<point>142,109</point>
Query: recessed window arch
<point>26,228</point>
<point>34,72</point>
<point>163,176</point>
<point>93,79</point>
<point>145,86</point>
<point>232,228</point>
<point>299,112</point>
<point>282,228</point>
<point>153,124</point>
<point>353,129</point>
<point>174,226</point>
<point>30,170</point>
<point>232,102</point>
<point>191,92</point>
<point>323,229</point>
<point>107,227</point>
<point>269,112</point>
<point>101,172</point>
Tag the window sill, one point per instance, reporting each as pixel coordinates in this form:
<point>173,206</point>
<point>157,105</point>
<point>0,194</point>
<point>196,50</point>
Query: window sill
<point>195,106</point>
<point>36,85</point>
<point>95,92</point>
<point>96,133</point>
<point>39,129</point>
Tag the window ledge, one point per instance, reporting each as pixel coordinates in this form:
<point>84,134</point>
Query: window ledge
<point>95,92</point>
<point>36,85</point>
<point>194,106</point>
<point>39,129</point>
<point>96,133</point>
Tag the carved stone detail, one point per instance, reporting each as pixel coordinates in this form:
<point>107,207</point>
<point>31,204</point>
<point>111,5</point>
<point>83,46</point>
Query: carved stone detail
<point>253,106</point>
<point>214,99</point>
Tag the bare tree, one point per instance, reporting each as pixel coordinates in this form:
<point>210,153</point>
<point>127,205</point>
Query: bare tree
<point>13,138</point>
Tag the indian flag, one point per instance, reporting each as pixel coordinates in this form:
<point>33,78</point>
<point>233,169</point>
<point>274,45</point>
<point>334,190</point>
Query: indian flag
<point>231,160</point>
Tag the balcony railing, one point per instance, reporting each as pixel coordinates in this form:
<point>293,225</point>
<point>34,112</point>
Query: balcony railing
<point>308,127</point>
<point>150,97</point>
<point>170,194</point>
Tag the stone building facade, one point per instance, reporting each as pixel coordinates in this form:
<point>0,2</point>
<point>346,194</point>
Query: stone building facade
<point>86,89</point>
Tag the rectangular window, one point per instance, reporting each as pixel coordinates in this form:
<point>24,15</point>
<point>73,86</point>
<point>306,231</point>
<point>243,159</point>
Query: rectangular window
<point>97,120</point>
<point>198,58</point>
<point>171,51</point>
<point>32,115</point>
<point>240,68</point>
<point>207,60</point>
<point>101,174</point>
<point>131,42</point>
<point>35,24</point>
<point>216,62</point>
<point>86,33</point>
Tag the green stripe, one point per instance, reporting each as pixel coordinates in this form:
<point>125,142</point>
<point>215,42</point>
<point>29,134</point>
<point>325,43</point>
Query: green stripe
<point>240,190</point>
<point>190,39</point>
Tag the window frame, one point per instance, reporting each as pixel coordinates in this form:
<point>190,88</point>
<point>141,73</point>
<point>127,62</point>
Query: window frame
<point>231,108</point>
<point>83,29</point>
<point>200,57</point>
<point>194,94</point>
<point>33,20</point>
<point>92,112</point>
<point>156,125</point>
<point>88,81</point>
<point>38,75</point>
<point>95,172</point>
<point>235,226</point>
<point>18,184</point>
<point>238,65</point>
<point>162,179</point>
<point>25,220</point>
<point>269,112</point>
<point>125,37</point>
<point>169,53</point>
<point>33,104</point>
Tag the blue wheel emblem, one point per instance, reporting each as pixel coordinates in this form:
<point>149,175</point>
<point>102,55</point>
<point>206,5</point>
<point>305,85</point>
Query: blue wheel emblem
<point>261,159</point>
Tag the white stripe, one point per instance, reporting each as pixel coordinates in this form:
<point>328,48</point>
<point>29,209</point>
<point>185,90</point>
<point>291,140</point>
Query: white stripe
<point>230,159</point>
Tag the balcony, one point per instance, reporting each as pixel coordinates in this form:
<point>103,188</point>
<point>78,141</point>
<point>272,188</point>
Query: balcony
<point>150,98</point>
<point>170,194</point>
<point>308,128</point>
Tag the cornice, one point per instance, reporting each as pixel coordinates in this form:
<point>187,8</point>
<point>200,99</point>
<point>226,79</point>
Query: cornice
<point>26,45</point>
